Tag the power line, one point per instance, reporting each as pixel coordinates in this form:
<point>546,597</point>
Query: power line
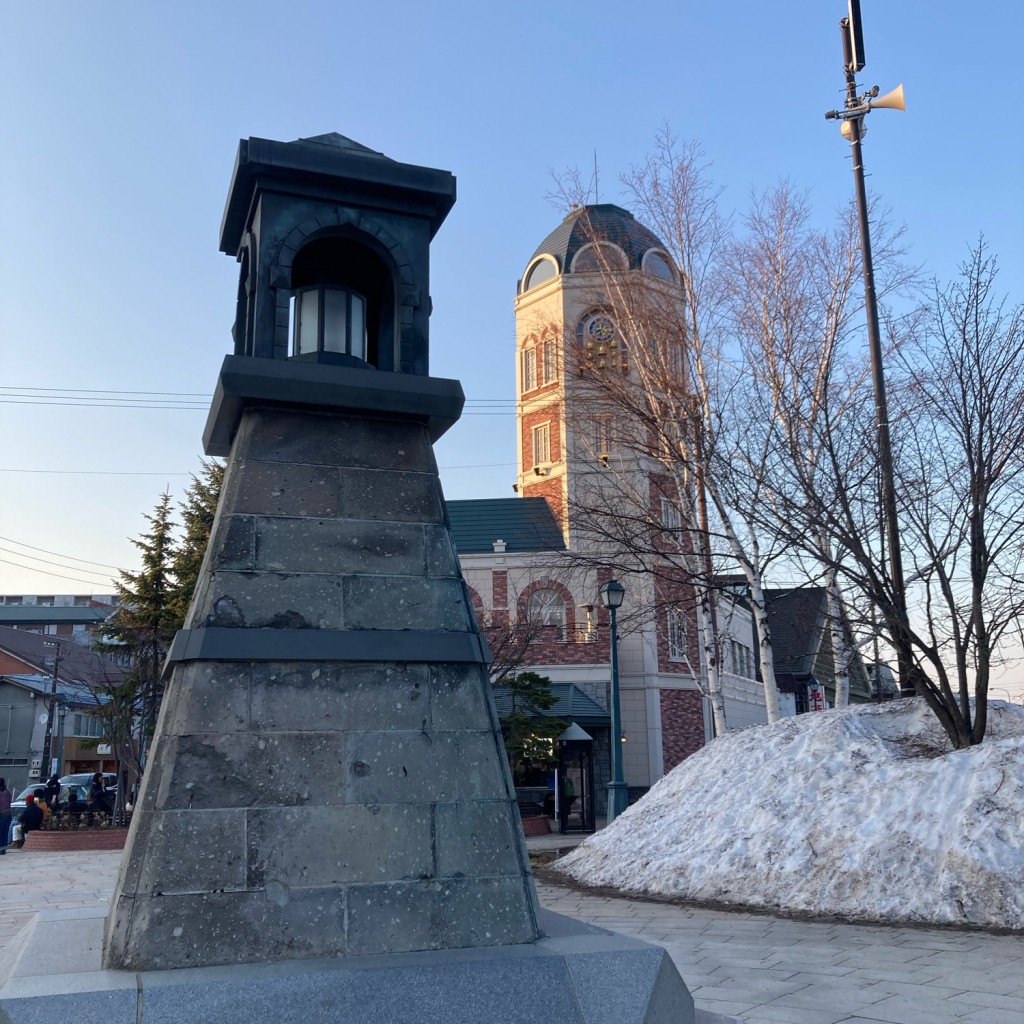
<point>121,472</point>
<point>93,472</point>
<point>46,561</point>
<point>104,391</point>
<point>89,404</point>
<point>198,407</point>
<point>57,554</point>
<point>44,572</point>
<point>179,394</point>
<point>26,391</point>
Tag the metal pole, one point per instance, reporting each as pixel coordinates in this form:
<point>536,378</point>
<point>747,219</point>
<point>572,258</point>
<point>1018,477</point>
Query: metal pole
<point>897,617</point>
<point>62,714</point>
<point>618,794</point>
<point>47,758</point>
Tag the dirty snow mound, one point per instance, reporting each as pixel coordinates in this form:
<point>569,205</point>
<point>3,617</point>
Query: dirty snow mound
<point>863,812</point>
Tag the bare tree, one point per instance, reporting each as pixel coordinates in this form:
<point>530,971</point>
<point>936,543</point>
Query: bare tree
<point>742,368</point>
<point>957,385</point>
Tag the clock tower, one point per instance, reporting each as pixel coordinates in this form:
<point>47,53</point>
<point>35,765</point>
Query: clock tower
<point>576,314</point>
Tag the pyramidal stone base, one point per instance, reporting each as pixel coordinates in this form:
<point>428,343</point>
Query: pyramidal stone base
<point>327,777</point>
<point>577,974</point>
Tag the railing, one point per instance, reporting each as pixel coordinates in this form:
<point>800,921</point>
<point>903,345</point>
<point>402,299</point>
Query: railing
<point>577,636</point>
<point>563,635</point>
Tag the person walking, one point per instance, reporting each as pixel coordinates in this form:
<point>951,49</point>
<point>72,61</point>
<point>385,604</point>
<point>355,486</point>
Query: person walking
<point>98,801</point>
<point>5,815</point>
<point>53,793</point>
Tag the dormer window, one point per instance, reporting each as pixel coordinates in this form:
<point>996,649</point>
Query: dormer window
<point>329,319</point>
<point>544,269</point>
<point>657,263</point>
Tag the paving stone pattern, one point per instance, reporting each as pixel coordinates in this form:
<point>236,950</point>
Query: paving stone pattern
<point>761,970</point>
<point>767,970</point>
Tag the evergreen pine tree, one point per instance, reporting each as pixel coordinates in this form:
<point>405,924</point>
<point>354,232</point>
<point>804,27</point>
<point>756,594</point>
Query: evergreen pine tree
<point>197,514</point>
<point>139,634</point>
<point>528,730</point>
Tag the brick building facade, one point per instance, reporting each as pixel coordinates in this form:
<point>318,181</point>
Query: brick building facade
<point>532,567</point>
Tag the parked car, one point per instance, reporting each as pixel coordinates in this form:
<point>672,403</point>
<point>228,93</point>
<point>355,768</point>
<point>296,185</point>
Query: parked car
<point>84,778</point>
<point>81,782</point>
<point>18,803</point>
<point>77,783</point>
<point>81,790</point>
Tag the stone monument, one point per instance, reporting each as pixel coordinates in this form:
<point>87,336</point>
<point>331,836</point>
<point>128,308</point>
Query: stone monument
<point>328,827</point>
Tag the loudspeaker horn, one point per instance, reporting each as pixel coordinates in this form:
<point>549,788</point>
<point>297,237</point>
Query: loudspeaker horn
<point>891,100</point>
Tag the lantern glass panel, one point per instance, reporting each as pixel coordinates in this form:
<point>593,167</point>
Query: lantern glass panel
<point>307,325</point>
<point>357,326</point>
<point>335,320</point>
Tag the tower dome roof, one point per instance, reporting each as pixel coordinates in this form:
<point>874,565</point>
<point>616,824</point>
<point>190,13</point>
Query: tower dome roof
<point>599,222</point>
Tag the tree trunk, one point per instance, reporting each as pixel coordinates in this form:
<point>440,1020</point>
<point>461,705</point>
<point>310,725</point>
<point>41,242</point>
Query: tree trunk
<point>840,647</point>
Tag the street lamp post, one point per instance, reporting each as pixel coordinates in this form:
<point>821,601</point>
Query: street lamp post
<point>50,711</point>
<point>62,714</point>
<point>612,594</point>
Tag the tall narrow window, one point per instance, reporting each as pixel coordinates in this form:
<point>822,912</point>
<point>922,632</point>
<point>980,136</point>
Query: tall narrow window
<point>670,517</point>
<point>549,371</point>
<point>542,444</point>
<point>674,358</point>
<point>603,437</point>
<point>529,369</point>
<point>678,635</point>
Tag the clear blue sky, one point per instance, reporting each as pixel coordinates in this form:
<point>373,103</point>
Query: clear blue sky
<point>119,123</point>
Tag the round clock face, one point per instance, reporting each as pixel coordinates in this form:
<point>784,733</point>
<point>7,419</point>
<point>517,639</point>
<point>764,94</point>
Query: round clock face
<point>601,329</point>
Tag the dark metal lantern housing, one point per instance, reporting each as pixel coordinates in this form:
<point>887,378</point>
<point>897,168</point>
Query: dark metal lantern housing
<point>612,594</point>
<point>333,239</point>
<point>333,304</point>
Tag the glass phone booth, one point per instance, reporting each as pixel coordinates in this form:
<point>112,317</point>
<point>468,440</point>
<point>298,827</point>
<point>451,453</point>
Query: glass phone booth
<point>574,787</point>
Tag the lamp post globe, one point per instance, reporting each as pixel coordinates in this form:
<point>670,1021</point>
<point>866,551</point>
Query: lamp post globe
<point>612,594</point>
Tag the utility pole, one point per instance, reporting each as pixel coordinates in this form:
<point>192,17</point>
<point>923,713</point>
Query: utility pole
<point>47,760</point>
<point>853,129</point>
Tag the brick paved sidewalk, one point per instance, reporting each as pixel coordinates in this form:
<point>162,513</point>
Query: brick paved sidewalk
<point>762,970</point>
<point>767,970</point>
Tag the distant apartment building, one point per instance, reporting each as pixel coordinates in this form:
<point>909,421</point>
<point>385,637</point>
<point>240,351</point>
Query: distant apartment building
<point>73,616</point>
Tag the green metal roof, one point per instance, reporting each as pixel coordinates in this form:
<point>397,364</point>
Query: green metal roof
<point>24,614</point>
<point>571,705</point>
<point>524,524</point>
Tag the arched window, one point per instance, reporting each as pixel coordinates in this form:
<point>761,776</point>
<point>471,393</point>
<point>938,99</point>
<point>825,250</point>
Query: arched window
<point>546,608</point>
<point>598,256</point>
<point>657,263</point>
<point>543,270</point>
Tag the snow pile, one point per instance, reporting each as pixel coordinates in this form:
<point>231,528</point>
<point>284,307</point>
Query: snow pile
<point>864,813</point>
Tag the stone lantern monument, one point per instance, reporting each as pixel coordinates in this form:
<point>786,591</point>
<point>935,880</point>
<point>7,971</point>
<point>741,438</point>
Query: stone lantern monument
<point>326,745</point>
<point>327,828</point>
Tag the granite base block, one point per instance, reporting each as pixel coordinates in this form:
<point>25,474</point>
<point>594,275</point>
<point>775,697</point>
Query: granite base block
<point>577,974</point>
